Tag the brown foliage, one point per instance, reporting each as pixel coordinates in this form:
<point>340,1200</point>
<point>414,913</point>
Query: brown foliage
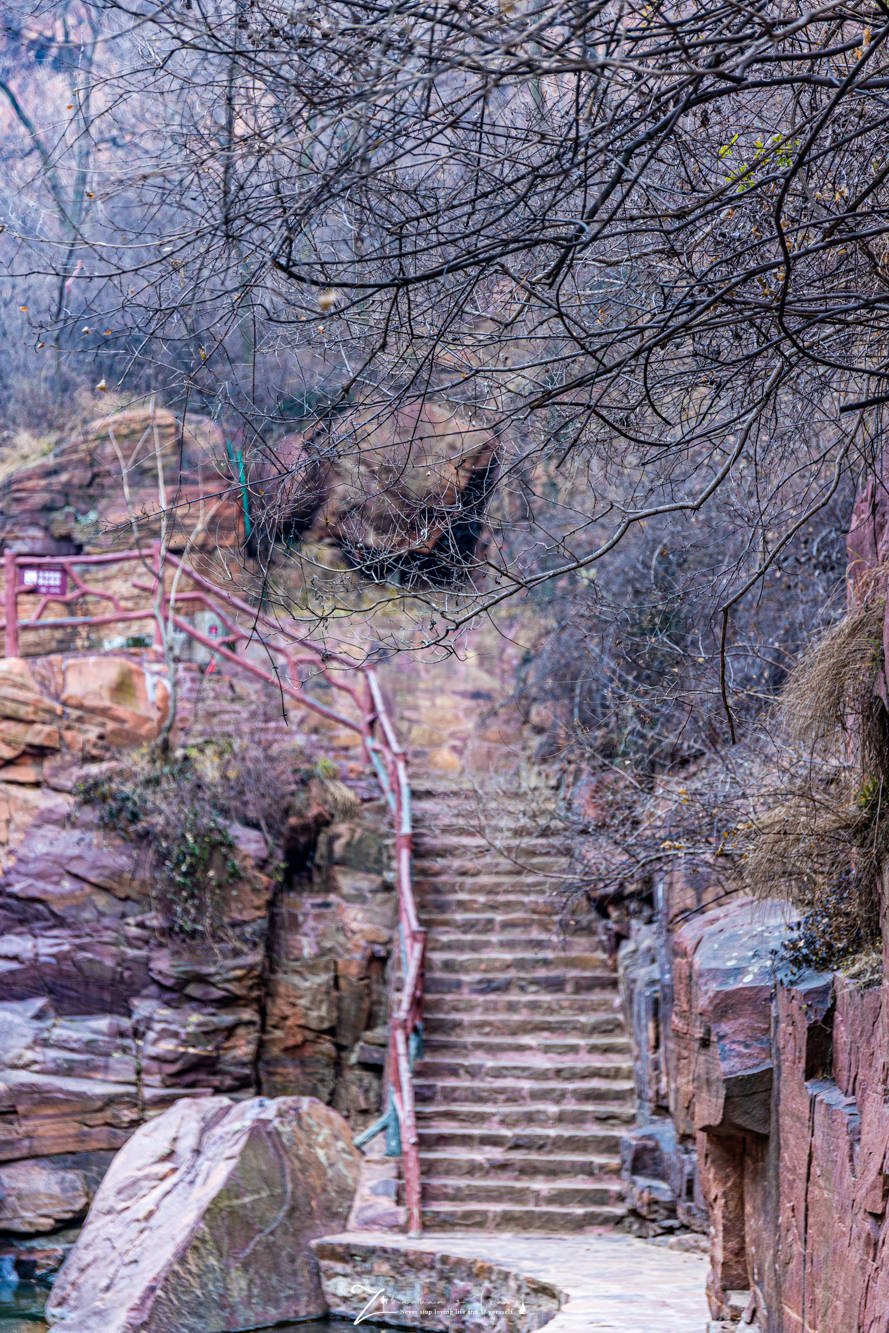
<point>824,839</point>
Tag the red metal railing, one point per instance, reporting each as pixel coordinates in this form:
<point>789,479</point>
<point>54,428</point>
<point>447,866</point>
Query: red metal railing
<point>288,662</point>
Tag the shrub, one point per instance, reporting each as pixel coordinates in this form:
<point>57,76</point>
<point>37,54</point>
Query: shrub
<point>178,809</point>
<point>799,810</point>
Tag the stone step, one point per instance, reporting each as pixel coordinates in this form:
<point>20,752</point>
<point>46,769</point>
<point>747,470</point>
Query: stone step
<point>516,851</point>
<point>446,1044</point>
<point>511,1092</point>
<point>468,1027</point>
<point>472,1217</point>
<point>494,962</point>
<point>487,922</point>
<point>425,789</point>
<point>559,1140</point>
<point>445,879</point>
<point>434,823</point>
<point>512,1166</point>
<point>530,1192</point>
<point>564,1007</point>
<point>445,942</point>
<point>510,1118</point>
<point>571,1068</point>
<point>449,867</point>
<point>441,876</point>
<point>527,983</point>
<point>452,804</point>
<point>457,798</point>
<point>499,901</point>
<point>497,828</point>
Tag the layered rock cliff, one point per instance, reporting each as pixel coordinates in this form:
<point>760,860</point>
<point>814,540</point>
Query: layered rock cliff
<point>107,1014</point>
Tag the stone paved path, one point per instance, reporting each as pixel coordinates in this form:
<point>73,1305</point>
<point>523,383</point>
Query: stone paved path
<point>613,1282</point>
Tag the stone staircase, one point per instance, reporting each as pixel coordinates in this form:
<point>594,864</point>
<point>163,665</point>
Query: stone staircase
<point>525,1083</point>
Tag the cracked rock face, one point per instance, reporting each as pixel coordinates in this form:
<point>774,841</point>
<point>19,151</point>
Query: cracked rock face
<point>202,1222</point>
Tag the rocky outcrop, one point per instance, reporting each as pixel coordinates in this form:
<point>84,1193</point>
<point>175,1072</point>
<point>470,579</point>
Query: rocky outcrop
<point>38,1196</point>
<point>202,1222</point>
<point>107,1018</point>
<point>777,1081</point>
<point>404,492</point>
<point>445,1291</point>
<point>67,499</point>
<point>67,1084</point>
<point>719,1048</point>
<point>326,1000</point>
<point>661,1180</point>
<point>66,710</point>
<point>658,1163</point>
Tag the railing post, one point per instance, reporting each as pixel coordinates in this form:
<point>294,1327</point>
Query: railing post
<point>12,605</point>
<point>161,601</point>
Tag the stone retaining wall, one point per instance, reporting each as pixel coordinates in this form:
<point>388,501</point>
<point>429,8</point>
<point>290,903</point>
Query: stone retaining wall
<point>441,1292</point>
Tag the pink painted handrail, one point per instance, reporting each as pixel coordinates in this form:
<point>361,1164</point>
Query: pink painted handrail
<point>290,662</point>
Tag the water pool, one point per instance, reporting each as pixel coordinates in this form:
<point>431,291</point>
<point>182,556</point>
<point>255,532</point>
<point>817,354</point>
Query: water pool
<point>21,1311</point>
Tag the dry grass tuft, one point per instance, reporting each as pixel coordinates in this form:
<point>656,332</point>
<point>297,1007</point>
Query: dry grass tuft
<point>824,838</point>
<point>822,847</point>
<point>829,693</point>
<point>339,799</point>
<point>866,969</point>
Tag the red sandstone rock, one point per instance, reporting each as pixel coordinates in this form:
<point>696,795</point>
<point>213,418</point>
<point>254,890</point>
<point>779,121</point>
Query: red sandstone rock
<point>289,481</point>
<point>65,500</point>
<point>106,1019</point>
<point>399,487</point>
<point>720,1046</point>
<point>38,1196</point>
<point>203,1221</point>
<point>66,1085</point>
<point>29,722</point>
<point>404,482</point>
<point>130,700</point>
<point>797,1192</point>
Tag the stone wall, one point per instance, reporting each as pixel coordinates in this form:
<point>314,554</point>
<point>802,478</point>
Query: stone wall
<point>778,1083</point>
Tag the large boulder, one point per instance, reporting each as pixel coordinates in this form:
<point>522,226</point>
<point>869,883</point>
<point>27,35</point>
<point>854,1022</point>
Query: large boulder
<point>203,1221</point>
<point>288,482</point>
<point>397,491</point>
<point>404,478</point>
